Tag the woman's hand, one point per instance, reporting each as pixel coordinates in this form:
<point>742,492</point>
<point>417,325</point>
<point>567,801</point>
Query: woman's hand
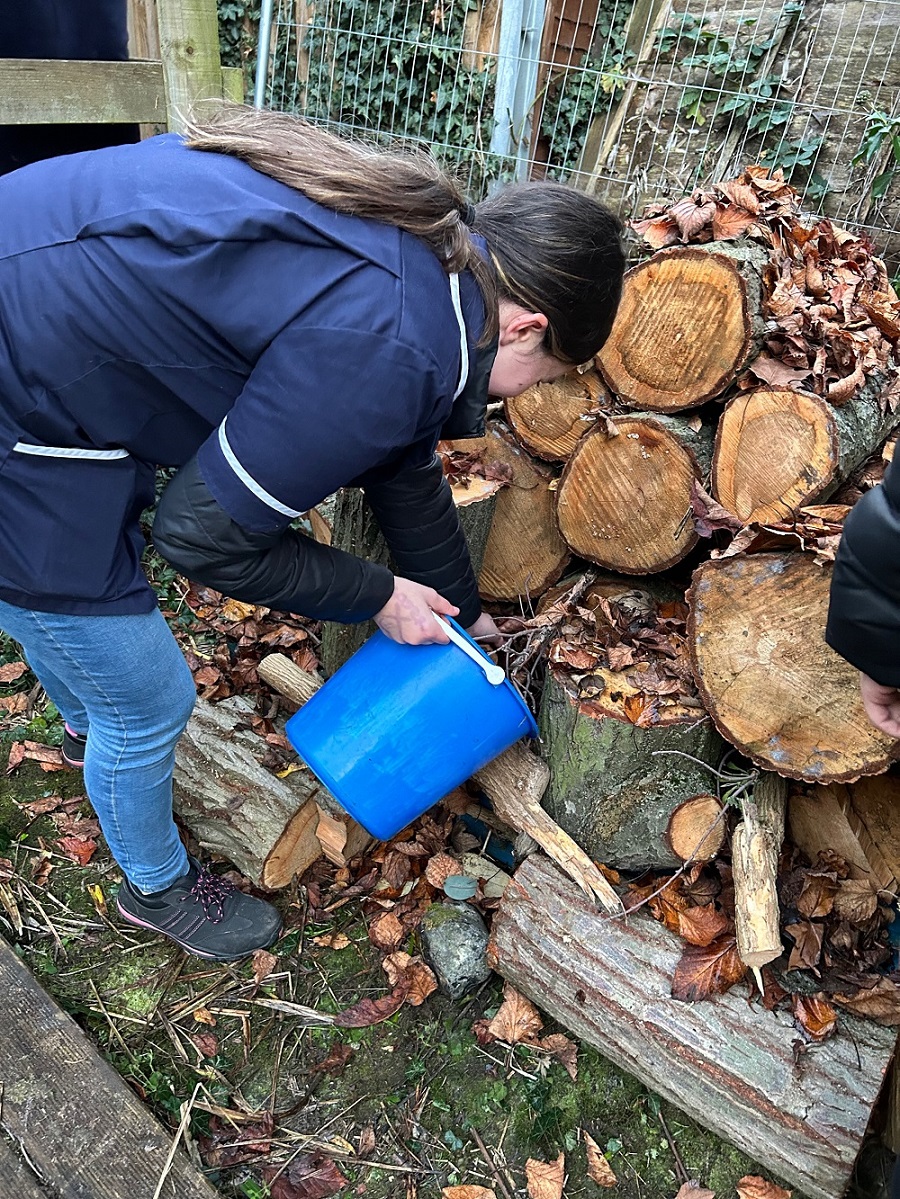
<point>408,617</point>
<point>484,630</point>
<point>882,705</point>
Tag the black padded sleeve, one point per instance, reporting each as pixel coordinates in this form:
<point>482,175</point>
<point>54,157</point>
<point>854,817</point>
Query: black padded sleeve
<point>283,569</point>
<point>415,510</point>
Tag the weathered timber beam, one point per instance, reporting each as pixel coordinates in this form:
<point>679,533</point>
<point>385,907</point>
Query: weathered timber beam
<point>43,91</point>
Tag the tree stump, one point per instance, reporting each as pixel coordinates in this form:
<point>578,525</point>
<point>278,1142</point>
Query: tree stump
<point>549,419</point>
<point>778,449</point>
<point>615,786</point>
<point>624,500</point>
<point>689,321</point>
<point>773,687</point>
<point>525,552</point>
<point>727,1063</point>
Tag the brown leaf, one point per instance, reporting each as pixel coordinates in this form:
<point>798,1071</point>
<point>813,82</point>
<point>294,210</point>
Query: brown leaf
<point>620,656</point>
<point>10,671</point>
<point>545,1179</point>
<point>229,1146</point>
<point>372,1011</point>
<point>468,1191</point>
<point>709,515</point>
<point>517,1018</point>
<point>41,870</point>
<point>335,1062</point>
<point>77,849</point>
<point>207,1043</point>
<point>386,932</point>
<point>817,897</point>
<point>880,1003</point>
<point>598,1167</point>
<point>693,1190</point>
<point>439,869</point>
<point>309,1176</point>
<point>774,372</point>
<point>16,756</point>
<point>332,940</point>
<point>204,1016</point>
<point>421,980</point>
<point>563,1049</point>
<point>693,215</point>
<point>815,1016</point>
<point>366,1142</point>
<point>751,1186</point>
<point>807,944</point>
<point>855,900</point>
<point>40,807</point>
<point>730,222</point>
<point>657,231</point>
<point>701,926</point>
<point>263,964</point>
<point>707,970</point>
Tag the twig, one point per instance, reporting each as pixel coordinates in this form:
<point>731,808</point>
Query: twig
<point>482,1148</point>
<point>683,1175</point>
<point>182,1127</point>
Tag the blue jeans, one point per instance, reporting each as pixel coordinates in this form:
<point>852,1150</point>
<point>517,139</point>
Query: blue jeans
<point>123,681</point>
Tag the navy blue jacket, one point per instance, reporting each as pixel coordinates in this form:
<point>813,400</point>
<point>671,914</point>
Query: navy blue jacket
<point>159,303</point>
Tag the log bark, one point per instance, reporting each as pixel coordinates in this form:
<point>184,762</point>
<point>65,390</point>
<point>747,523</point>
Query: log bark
<point>355,530</point>
<point>614,785</point>
<point>778,449</point>
<point>525,552</point>
<point>755,848</point>
<point>689,321</point>
<point>728,1064</point>
<point>825,818</point>
<point>624,500</point>
<point>549,419</point>
<point>772,686</point>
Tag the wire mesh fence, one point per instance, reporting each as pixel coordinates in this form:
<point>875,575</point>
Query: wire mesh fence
<point>637,101</point>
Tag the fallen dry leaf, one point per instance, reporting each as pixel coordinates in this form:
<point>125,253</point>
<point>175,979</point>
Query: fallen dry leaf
<point>815,1016</point>
<point>469,1191</point>
<point>807,944</point>
<point>702,925</point>
<point>439,869</point>
<point>598,1167</point>
<point>204,1016</point>
<point>372,1011</point>
<point>207,1043</point>
<point>751,1186</point>
<point>707,970</point>
<point>564,1050</point>
<point>263,964</point>
<point>310,1176</point>
<point>855,900</point>
<point>517,1018</point>
<point>817,897</point>
<point>332,940</point>
<point>16,756</point>
<point>10,671</point>
<point>77,849</point>
<point>386,932</point>
<point>880,1003</point>
<point>545,1179</point>
<point>693,1190</point>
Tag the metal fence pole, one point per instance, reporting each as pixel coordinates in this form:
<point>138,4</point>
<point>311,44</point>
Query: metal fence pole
<point>262,57</point>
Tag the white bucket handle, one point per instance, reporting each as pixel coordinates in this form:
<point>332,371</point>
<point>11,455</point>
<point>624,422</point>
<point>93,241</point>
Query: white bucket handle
<point>495,674</point>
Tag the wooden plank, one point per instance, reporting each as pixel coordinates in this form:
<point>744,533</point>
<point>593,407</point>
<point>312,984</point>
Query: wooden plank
<point>143,30</point>
<point>39,91</point>
<point>189,43</point>
<point>233,84</point>
<point>17,1181</point>
<point>83,1128</point>
<point>727,1063</point>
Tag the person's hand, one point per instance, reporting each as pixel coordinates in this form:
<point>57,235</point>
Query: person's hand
<point>484,630</point>
<point>408,617</point>
<point>882,705</point>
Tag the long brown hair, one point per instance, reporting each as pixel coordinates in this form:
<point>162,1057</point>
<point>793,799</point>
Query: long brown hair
<point>552,249</point>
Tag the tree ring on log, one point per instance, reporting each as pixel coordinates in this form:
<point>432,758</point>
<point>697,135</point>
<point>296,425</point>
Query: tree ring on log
<point>682,331</point>
<point>624,501</point>
<point>696,829</point>
<point>772,686</point>
<point>776,450</point>
<point>551,418</point>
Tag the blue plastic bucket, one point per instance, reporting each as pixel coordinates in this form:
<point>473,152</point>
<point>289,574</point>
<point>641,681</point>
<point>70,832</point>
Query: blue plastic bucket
<point>399,726</point>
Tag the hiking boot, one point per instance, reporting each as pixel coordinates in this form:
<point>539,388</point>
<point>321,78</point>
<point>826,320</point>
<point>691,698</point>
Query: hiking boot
<point>204,914</point>
<point>73,747</point>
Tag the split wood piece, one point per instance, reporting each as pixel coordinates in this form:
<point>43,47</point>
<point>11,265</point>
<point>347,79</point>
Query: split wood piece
<point>355,530</point>
<point>728,1064</point>
<point>624,499</point>
<point>773,687</point>
<point>515,783</point>
<point>614,785</point>
<point>525,553</point>
<point>696,829</point>
<point>755,848</point>
<point>689,321</point>
<point>234,805</point>
<point>777,449</point>
<point>825,818</point>
<point>82,1127</point>
<point>549,419</point>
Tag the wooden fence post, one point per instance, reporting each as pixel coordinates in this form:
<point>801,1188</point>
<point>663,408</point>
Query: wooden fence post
<point>189,43</point>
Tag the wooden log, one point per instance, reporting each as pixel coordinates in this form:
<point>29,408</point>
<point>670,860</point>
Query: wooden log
<point>728,1064</point>
<point>876,803</point>
<point>825,818</point>
<point>85,1132</point>
<point>773,687</point>
<point>689,320</point>
<point>549,419</point>
<point>778,449</point>
<point>525,553</point>
<point>755,849</point>
<point>613,784</point>
<point>624,499</point>
<point>355,530</point>
<point>696,829</point>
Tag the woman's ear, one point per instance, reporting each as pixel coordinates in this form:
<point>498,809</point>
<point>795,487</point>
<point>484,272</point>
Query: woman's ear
<point>521,328</point>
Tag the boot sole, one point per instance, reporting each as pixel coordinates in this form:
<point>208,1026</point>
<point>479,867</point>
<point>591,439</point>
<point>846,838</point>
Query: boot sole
<point>70,762</point>
<point>210,957</point>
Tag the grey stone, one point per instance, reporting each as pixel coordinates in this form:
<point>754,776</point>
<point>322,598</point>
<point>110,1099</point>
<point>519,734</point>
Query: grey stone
<point>455,939</point>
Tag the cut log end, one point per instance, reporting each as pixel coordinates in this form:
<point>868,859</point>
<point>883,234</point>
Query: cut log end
<point>696,830</point>
<point>776,450</point>
<point>682,331</point>
<point>624,501</point>
<point>549,419</point>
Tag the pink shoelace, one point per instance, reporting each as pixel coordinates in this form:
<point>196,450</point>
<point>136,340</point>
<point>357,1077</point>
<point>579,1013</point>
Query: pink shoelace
<point>212,891</point>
